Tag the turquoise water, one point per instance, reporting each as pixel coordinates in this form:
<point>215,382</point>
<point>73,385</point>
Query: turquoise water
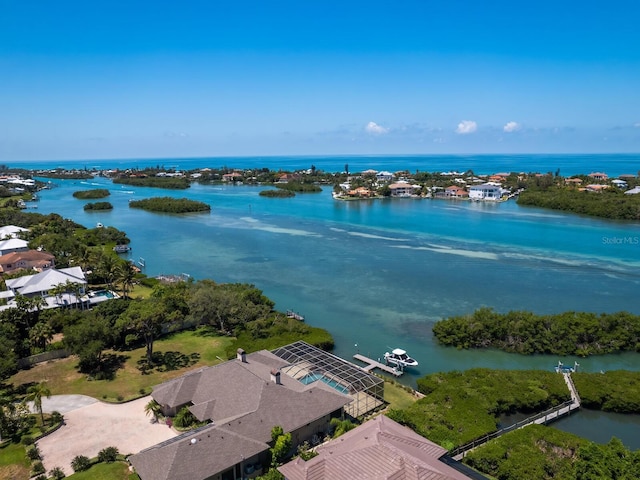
<point>314,377</point>
<point>379,273</point>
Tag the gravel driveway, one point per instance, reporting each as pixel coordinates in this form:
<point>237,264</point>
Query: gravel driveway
<point>91,425</point>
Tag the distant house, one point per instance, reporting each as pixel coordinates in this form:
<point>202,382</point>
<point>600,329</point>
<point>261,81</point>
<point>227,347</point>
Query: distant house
<point>231,177</point>
<point>573,181</point>
<point>403,189</point>
<point>633,191</point>
<point>379,449</point>
<point>486,191</point>
<point>244,399</point>
<point>361,192</point>
<point>11,231</point>
<point>384,176</point>
<point>621,184</point>
<point>596,188</point>
<point>599,176</point>
<point>13,245</point>
<point>29,260</point>
<point>456,192</point>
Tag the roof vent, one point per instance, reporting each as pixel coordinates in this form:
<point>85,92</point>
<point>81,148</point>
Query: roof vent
<point>241,355</point>
<point>275,376</point>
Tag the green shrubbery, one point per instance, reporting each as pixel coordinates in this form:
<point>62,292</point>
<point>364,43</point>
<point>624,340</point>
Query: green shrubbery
<point>98,206</point>
<point>91,194</point>
<point>277,193</point>
<point>569,333</point>
<point>459,407</point>
<point>610,203</point>
<point>170,205</point>
<point>299,187</point>
<point>615,391</point>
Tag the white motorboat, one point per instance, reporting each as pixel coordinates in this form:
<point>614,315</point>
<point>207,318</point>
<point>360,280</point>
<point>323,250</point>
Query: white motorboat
<point>399,358</point>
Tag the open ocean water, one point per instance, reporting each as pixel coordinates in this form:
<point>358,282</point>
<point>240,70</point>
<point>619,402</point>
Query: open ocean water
<point>378,273</point>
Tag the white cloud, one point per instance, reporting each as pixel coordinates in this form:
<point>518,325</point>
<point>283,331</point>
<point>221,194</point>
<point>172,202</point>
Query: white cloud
<point>511,127</point>
<point>375,129</point>
<point>466,126</point>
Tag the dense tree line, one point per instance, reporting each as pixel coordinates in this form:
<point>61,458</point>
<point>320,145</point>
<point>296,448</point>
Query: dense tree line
<point>568,333</point>
<point>170,205</point>
<point>297,186</point>
<point>546,453</point>
<point>459,407</point>
<point>615,391</point>
<point>98,206</point>
<point>91,194</point>
<point>610,203</point>
<point>172,183</point>
<point>280,193</point>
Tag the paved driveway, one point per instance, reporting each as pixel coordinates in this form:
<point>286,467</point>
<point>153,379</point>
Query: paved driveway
<point>91,425</point>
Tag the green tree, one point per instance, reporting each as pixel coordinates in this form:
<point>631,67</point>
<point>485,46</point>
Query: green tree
<point>88,339</point>
<point>41,334</point>
<point>35,393</point>
<point>144,319</point>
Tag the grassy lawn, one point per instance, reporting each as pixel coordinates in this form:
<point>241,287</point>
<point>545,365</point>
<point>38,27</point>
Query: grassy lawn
<point>13,462</point>
<point>179,352</point>
<point>106,471</point>
<point>396,395</point>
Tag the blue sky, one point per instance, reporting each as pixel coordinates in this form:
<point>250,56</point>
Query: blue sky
<point>124,79</point>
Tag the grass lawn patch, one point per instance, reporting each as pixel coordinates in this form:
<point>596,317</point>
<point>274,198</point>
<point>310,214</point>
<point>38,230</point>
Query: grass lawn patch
<point>105,471</point>
<point>397,396</point>
<point>200,347</point>
<point>13,462</point>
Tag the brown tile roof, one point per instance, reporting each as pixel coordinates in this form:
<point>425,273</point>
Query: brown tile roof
<point>28,255</point>
<point>244,404</point>
<point>379,449</point>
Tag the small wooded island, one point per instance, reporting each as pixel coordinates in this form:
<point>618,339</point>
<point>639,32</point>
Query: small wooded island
<point>94,206</point>
<point>92,194</point>
<point>170,205</point>
<point>568,333</point>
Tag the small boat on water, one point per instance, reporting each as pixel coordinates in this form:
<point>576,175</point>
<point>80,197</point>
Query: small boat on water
<point>294,315</point>
<point>399,358</point>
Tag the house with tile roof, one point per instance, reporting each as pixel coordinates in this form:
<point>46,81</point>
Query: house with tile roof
<point>242,399</point>
<point>29,260</point>
<point>379,449</point>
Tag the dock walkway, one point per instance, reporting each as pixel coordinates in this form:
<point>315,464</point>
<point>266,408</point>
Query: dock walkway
<point>371,364</point>
<point>543,418</point>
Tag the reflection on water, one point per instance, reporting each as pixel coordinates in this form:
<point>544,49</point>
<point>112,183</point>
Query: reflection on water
<point>601,426</point>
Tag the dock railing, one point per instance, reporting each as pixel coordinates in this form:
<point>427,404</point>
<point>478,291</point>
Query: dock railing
<point>549,415</point>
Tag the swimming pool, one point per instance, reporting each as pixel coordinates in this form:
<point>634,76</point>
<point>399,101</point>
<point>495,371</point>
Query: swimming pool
<point>103,293</point>
<point>314,377</point>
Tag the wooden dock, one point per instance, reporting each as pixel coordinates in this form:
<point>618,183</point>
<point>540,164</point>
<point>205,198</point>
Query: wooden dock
<point>371,364</point>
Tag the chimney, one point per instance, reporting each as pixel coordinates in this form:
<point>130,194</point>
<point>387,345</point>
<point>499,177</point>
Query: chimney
<point>275,376</point>
<point>241,355</point>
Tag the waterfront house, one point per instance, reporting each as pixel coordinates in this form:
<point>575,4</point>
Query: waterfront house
<point>486,191</point>
<point>455,192</point>
<point>403,189</point>
<point>43,285</point>
<point>379,449</point>
<point>11,231</point>
<point>599,176</point>
<point>13,245</point>
<point>243,399</point>
<point>598,188</point>
<point>29,260</point>
<point>384,176</point>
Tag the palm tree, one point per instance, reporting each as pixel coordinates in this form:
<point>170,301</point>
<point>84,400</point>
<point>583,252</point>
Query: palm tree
<point>35,394</point>
<point>41,334</point>
<point>107,268</point>
<point>153,408</point>
<point>125,275</point>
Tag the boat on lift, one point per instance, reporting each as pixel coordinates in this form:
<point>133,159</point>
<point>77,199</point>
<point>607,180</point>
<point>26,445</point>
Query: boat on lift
<point>399,358</point>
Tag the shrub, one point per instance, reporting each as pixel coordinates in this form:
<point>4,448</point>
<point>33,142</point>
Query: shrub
<point>108,455</point>
<point>41,477</point>
<point>80,463</point>
<point>27,440</point>
<point>37,468</point>
<point>33,453</point>
<point>56,473</point>
<point>56,417</point>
